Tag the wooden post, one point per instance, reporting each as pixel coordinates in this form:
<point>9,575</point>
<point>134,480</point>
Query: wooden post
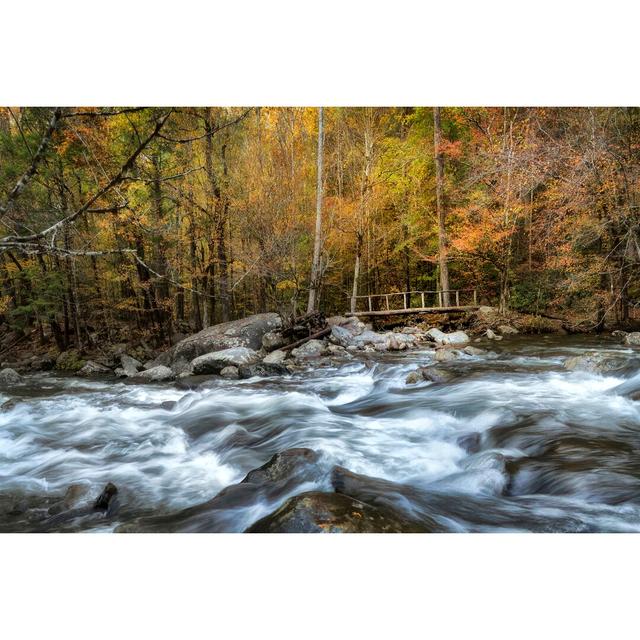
<point>387,299</point>
<point>475,297</point>
<point>370,308</point>
<point>422,294</point>
<point>457,298</point>
<point>404,300</point>
<point>439,298</point>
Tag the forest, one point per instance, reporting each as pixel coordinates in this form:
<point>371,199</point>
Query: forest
<point>158,222</point>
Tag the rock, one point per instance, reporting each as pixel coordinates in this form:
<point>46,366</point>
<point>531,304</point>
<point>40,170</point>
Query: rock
<point>42,363</point>
<point>506,330</point>
<point>454,338</point>
<point>336,350</point>
<point>262,370</point>
<point>399,342</point>
<point>230,373</point>
<point>434,374</point>
<point>487,310</point>
<point>92,368</point>
<point>273,340</point>
<point>246,332</point>
<point>352,348</point>
<point>120,372</point>
<point>157,374</point>
<point>9,377</point>
<point>310,349</point>
<point>619,334</point>
<point>340,336</point>
<point>318,512</point>
<point>446,355</point>
<point>414,377</point>
<point>632,339</point>
<point>130,365</point>
<point>470,442</point>
<point>492,335</point>
<point>593,362</point>
<point>218,360</point>
<point>351,324</point>
<point>369,337</point>
<point>107,501</point>
<point>282,466</point>
<point>69,361</point>
<point>474,351</point>
<point>275,357</point>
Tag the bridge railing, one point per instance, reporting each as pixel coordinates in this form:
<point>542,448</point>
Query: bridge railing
<point>406,300</point>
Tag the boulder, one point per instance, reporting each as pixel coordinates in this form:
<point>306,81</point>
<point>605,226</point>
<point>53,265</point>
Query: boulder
<point>506,330</point>
<point>92,368</point>
<point>430,374</point>
<point>273,340</point>
<point>275,357</point>
<point>336,350</point>
<point>454,338</point>
<point>310,349</point>
<point>369,337</point>
<point>446,355</point>
<point>474,351</point>
<point>319,512</point>
<point>230,373</point>
<point>593,362</point>
<point>69,361</point>
<point>218,360</point>
<point>42,363</point>
<point>619,334</point>
<point>9,377</point>
<point>119,372</point>
<point>130,365</point>
<point>351,324</point>
<point>414,377</point>
<point>157,374</point>
<point>262,370</point>
<point>492,335</point>
<point>246,332</point>
<point>632,339</point>
<point>341,336</point>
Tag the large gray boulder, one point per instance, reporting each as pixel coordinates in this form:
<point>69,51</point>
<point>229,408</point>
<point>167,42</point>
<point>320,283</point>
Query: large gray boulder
<point>273,340</point>
<point>594,362</point>
<point>246,332</point>
<point>218,360</point>
<point>275,357</point>
<point>157,374</point>
<point>454,338</point>
<point>341,336</point>
<point>92,368</point>
<point>9,377</point>
<point>130,365</point>
<point>310,349</point>
<point>633,339</point>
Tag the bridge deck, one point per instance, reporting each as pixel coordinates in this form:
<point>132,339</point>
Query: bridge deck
<point>393,312</point>
<point>379,304</point>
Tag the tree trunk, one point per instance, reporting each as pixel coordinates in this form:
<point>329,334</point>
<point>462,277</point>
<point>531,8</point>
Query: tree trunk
<point>442,231</point>
<point>317,244</point>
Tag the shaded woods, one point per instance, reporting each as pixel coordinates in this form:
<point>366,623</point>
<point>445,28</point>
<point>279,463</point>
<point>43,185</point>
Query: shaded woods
<point>162,221</point>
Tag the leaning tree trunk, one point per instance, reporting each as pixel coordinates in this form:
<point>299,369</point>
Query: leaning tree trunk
<point>442,231</point>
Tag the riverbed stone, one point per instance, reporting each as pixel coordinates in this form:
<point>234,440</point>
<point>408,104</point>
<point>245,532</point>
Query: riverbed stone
<point>507,330</point>
<point>492,335</point>
<point>263,370</point>
<point>157,374</point>
<point>454,338</point>
<point>341,336</point>
<point>92,368</point>
<point>273,340</point>
<point>246,332</point>
<point>218,360</point>
<point>230,373</point>
<point>593,362</point>
<point>9,377</point>
<point>275,357</point>
<point>69,360</point>
<point>446,355</point>
<point>632,339</point>
<point>320,512</point>
<point>130,365</point>
<point>310,349</point>
<point>42,363</point>
<point>474,351</point>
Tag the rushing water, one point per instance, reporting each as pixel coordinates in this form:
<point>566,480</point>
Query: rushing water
<point>546,449</point>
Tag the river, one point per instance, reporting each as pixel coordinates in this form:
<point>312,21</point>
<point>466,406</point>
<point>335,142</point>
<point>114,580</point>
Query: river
<point>512,442</point>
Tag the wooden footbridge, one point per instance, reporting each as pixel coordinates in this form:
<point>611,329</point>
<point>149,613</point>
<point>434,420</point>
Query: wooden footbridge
<point>403,302</point>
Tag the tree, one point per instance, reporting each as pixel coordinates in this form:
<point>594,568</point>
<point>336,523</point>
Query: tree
<point>316,270</point>
<point>440,210</point>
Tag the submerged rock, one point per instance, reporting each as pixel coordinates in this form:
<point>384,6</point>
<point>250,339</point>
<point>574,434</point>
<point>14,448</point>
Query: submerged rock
<point>593,362</point>
<point>230,373</point>
<point>218,360</point>
<point>474,351</point>
<point>446,355</point>
<point>9,377</point>
<point>318,512</point>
